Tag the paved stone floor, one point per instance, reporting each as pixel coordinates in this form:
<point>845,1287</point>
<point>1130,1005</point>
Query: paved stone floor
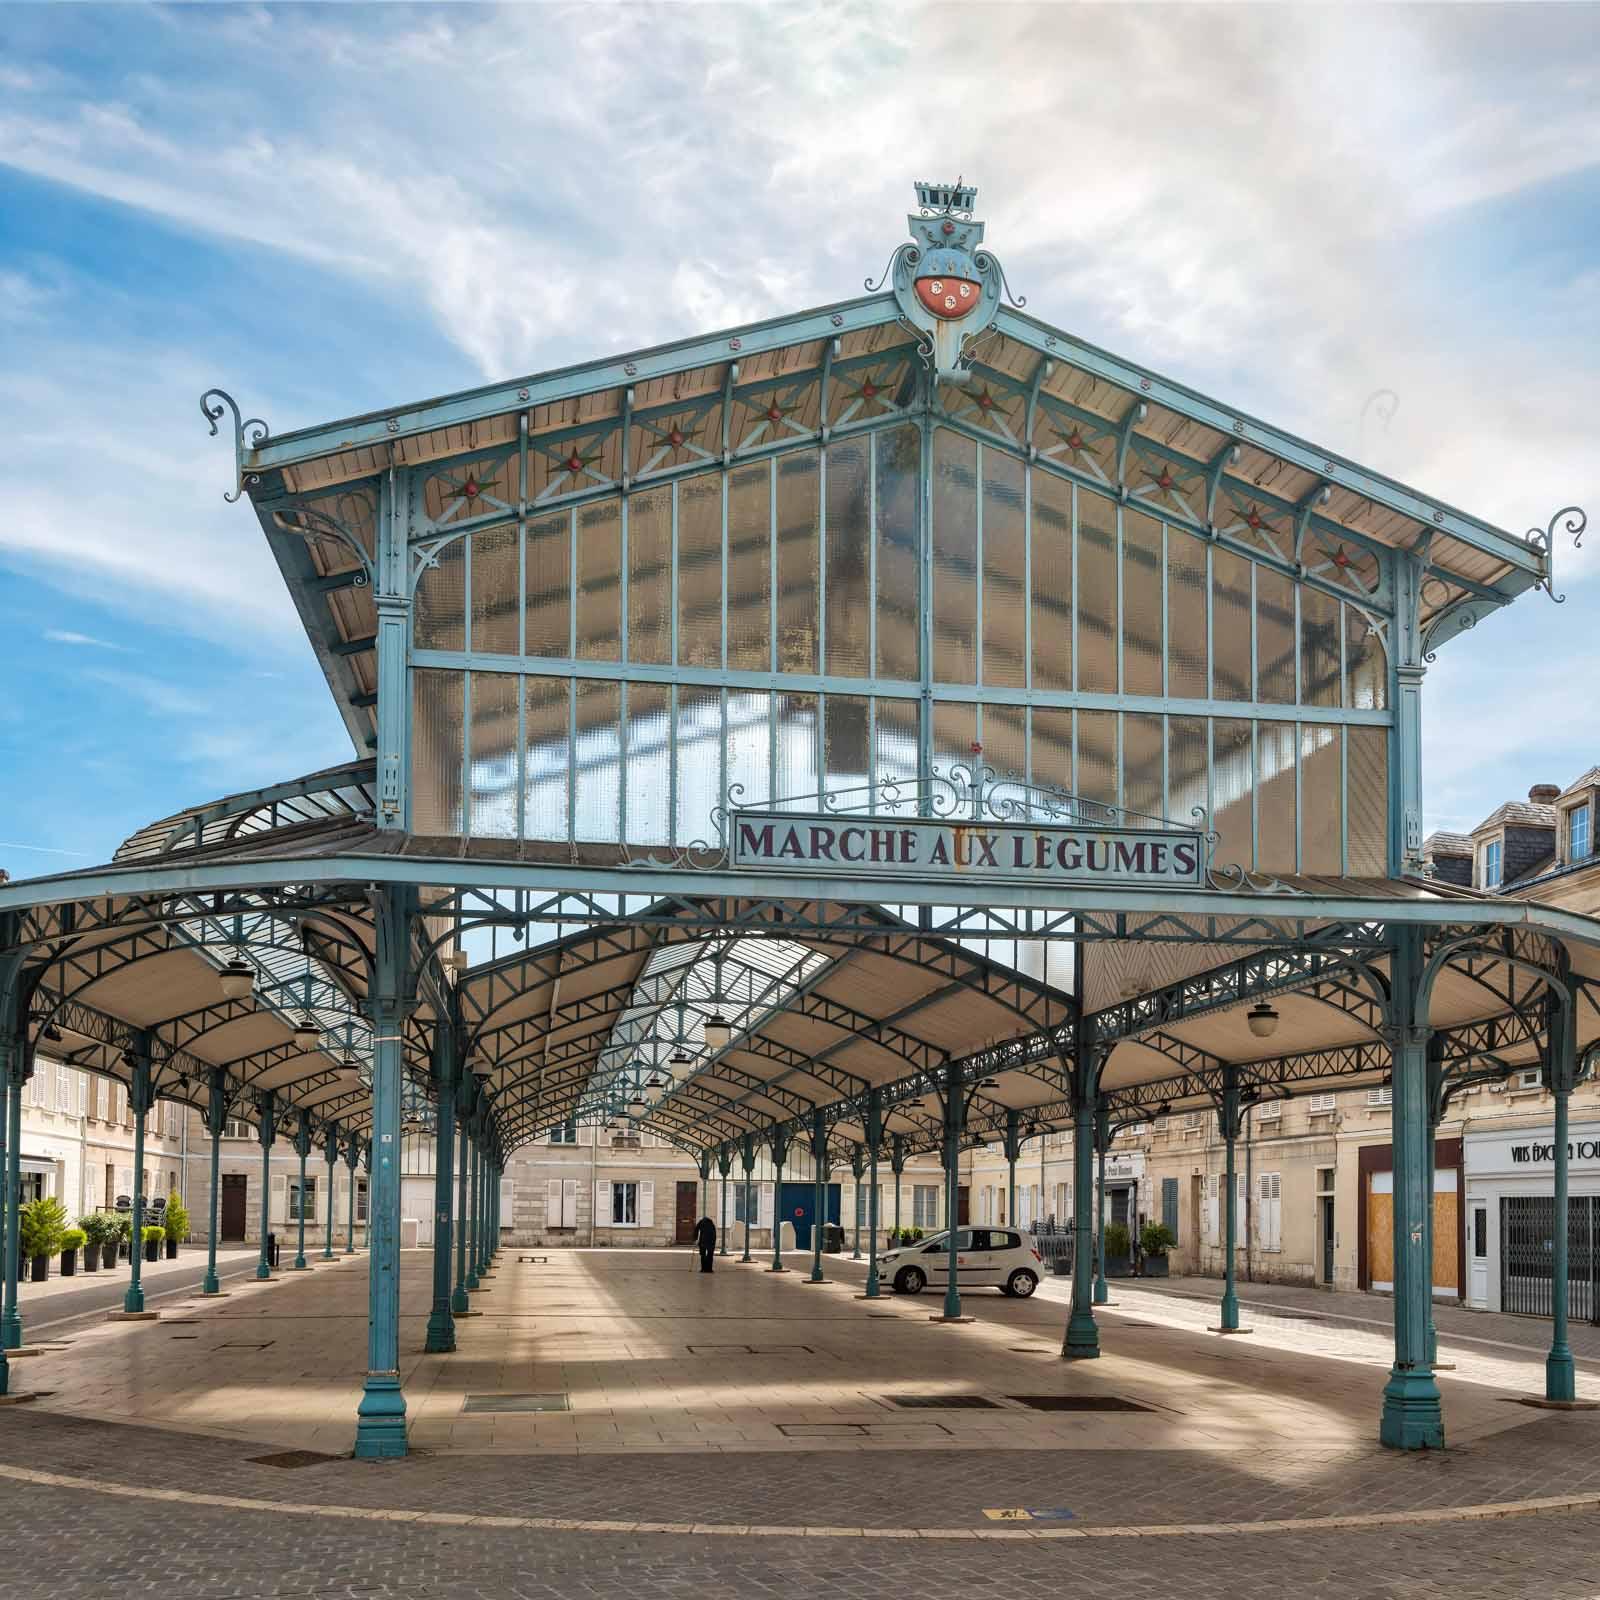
<point>756,1409</point>
<point>46,1305</point>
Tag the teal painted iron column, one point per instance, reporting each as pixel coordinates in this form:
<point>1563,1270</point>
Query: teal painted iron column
<point>459,1304</point>
<point>266,1131</point>
<point>1102,1137</point>
<point>1013,1150</point>
<point>724,1167</point>
<point>897,1165</point>
<point>302,1148</point>
<point>17,1073</point>
<point>954,1118</point>
<point>874,1139</point>
<point>352,1159</point>
<point>1438,1096</point>
<point>474,1188</point>
<point>9,1045</point>
<point>381,1416</point>
<point>747,1152</point>
<point>330,1150</point>
<point>1229,1115</point>
<point>1561,1071</point>
<point>366,1162</point>
<point>216,1117</point>
<point>13,1053</point>
<point>1412,1418</point>
<point>1082,1340</point>
<point>858,1169</point>
<point>141,1098</point>
<point>703,1166</point>
<point>819,1159</point>
<point>780,1148</point>
<point>441,1325</point>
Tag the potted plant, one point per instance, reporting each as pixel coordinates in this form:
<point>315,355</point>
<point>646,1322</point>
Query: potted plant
<point>1117,1247</point>
<point>121,1240</point>
<point>1155,1240</point>
<point>96,1231</point>
<point>175,1220</point>
<point>39,1233</point>
<point>72,1241</point>
<point>152,1242</point>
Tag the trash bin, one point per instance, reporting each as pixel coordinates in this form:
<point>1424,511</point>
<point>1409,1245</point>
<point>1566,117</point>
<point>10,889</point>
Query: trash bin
<point>272,1251</point>
<point>832,1238</point>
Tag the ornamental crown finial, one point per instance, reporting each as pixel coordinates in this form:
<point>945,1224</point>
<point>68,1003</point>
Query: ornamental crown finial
<point>955,199</point>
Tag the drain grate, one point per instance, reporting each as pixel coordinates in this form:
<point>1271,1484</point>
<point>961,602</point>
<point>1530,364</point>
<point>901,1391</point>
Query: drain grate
<point>514,1402</point>
<point>1076,1402</point>
<point>291,1458</point>
<point>1030,1350</point>
<point>750,1350</point>
<point>181,1322</point>
<point>186,1336</point>
<point>941,1402</point>
<point>269,1343</point>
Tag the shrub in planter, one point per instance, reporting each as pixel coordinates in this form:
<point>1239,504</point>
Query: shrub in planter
<point>1118,1246</point>
<point>72,1241</point>
<point>1155,1240</point>
<point>98,1230</point>
<point>152,1242</point>
<point>40,1228</point>
<point>123,1239</point>
<point>175,1223</point>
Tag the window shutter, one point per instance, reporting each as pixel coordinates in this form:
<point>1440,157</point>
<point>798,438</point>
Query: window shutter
<point>569,1203</point>
<point>1169,1204</point>
<point>647,1205</point>
<point>280,1197</point>
<point>602,1203</point>
<point>508,1203</point>
<point>764,1210</point>
<point>552,1203</point>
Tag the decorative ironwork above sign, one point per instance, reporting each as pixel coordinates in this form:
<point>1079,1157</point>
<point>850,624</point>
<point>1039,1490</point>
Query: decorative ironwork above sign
<point>948,288</point>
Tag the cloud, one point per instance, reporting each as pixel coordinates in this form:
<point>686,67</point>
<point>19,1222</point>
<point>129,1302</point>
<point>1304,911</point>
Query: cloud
<point>66,636</point>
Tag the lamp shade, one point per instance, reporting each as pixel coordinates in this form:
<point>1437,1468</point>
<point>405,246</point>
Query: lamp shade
<point>636,1104</point>
<point>307,1031</point>
<point>654,1089</point>
<point>482,1066</point>
<point>237,979</point>
<point>1263,1020</point>
<point>716,1032</point>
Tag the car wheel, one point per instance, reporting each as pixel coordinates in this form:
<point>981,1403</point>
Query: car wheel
<point>909,1280</point>
<point>1021,1283</point>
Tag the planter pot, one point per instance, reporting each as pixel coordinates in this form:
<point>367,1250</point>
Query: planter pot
<point>41,1269</point>
<point>1119,1267</point>
<point>152,1250</point>
<point>1156,1266</point>
<point>91,1258</point>
<point>172,1249</point>
<point>69,1263</point>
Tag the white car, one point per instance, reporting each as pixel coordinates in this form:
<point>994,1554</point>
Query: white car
<point>999,1257</point>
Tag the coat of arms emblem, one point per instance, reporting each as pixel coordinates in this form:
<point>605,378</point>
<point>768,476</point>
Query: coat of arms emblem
<point>949,288</point>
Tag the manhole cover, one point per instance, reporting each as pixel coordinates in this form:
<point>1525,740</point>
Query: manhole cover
<point>514,1402</point>
<point>1076,1402</point>
<point>291,1458</point>
<point>942,1402</point>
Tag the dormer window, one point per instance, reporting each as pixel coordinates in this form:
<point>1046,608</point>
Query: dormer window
<point>1493,860</point>
<point>1578,834</point>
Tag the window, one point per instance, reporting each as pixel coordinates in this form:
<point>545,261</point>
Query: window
<point>361,1199</point>
<point>1269,1211</point>
<point>1480,1233</point>
<point>567,1133</point>
<point>1319,1105</point>
<point>1492,860</point>
<point>1192,1120</point>
<point>1269,1111</point>
<point>1133,1130</point>
<point>624,1205</point>
<point>863,1204</point>
<point>293,1213</point>
<point>1530,1078</point>
<point>1380,1097</point>
<point>925,1205</point>
<point>235,1129</point>
<point>739,1195</point>
<point>1578,833</point>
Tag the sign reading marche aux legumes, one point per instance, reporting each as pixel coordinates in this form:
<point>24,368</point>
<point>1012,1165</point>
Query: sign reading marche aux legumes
<point>979,851</point>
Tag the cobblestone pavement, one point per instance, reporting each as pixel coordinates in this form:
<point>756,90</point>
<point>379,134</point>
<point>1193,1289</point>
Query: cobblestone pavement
<point>48,1305</point>
<point>71,1545</point>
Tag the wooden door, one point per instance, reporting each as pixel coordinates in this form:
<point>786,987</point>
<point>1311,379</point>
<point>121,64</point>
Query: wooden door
<point>233,1198</point>
<point>685,1218</point>
<point>963,1203</point>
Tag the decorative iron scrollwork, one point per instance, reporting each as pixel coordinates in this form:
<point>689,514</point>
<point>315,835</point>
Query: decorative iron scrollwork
<point>254,427</point>
<point>1573,520</point>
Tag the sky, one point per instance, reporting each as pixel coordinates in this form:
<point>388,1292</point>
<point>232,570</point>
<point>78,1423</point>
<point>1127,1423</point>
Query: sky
<point>331,209</point>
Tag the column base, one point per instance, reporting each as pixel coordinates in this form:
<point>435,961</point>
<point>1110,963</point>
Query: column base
<point>381,1428</point>
<point>1560,1380</point>
<point>133,1302</point>
<point>215,1294</point>
<point>1218,1328</point>
<point>952,1319</point>
<point>441,1340</point>
<point>11,1334</point>
<point>778,1269</point>
<point>1412,1419</point>
<point>9,1399</point>
<point>133,1316</point>
<point>263,1271</point>
<point>459,1304</point>
<point>1083,1339</point>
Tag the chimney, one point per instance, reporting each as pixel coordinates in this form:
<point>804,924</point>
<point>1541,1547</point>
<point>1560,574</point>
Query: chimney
<point>1544,794</point>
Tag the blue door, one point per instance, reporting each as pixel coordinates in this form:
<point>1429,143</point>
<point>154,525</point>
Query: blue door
<point>798,1205</point>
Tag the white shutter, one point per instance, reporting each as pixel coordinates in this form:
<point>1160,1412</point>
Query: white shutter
<point>602,1203</point>
<point>280,1196</point>
<point>764,1208</point>
<point>552,1204</point>
<point>1213,1231</point>
<point>569,1202</point>
<point>647,1205</point>
<point>124,1181</point>
<point>508,1203</point>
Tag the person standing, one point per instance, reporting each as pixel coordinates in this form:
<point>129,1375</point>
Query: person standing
<point>705,1236</point>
